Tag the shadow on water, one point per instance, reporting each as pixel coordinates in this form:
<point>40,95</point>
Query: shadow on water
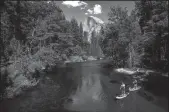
<point>157,84</point>
<point>115,81</point>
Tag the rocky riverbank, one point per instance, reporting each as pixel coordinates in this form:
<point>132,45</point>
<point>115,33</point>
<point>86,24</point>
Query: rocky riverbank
<point>80,59</point>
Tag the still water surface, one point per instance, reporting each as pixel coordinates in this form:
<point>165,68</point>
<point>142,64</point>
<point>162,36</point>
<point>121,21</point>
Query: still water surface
<point>83,87</point>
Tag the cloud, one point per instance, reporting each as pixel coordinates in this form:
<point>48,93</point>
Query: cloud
<point>97,9</point>
<point>90,11</point>
<point>48,1</point>
<point>75,4</point>
<point>86,13</point>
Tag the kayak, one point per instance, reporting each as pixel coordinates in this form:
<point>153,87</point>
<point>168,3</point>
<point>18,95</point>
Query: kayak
<point>122,96</point>
<point>134,89</point>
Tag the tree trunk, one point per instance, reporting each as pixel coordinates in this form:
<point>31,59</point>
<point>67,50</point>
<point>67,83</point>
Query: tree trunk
<point>130,56</point>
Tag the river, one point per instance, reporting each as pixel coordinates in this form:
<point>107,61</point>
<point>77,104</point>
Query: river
<point>87,87</point>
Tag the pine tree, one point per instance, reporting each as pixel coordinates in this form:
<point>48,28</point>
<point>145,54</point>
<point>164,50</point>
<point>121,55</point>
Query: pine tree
<point>101,31</point>
<point>154,24</point>
<point>74,27</point>
<point>75,30</point>
<point>81,30</point>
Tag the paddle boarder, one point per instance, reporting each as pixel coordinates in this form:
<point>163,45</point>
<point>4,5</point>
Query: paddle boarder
<point>123,93</point>
<point>135,86</point>
<point>122,88</point>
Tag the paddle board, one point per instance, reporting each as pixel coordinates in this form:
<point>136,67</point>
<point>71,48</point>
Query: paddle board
<point>134,89</point>
<point>122,96</point>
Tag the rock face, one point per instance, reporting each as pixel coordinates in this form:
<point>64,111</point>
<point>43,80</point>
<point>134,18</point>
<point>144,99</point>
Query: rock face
<point>92,24</point>
<point>92,27</point>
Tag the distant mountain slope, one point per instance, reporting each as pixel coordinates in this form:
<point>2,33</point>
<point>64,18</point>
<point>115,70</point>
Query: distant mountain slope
<point>92,27</point>
<point>91,24</point>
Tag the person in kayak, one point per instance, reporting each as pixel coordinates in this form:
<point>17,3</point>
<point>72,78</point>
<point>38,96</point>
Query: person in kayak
<point>122,88</point>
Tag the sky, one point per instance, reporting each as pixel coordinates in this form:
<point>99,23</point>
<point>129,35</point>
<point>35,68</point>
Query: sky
<point>81,9</point>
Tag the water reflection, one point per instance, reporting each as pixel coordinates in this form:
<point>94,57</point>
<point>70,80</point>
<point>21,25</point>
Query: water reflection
<point>89,93</point>
<point>82,87</point>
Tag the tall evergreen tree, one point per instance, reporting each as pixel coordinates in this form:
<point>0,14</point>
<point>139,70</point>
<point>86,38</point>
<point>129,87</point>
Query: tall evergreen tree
<point>75,30</point>
<point>154,24</point>
<point>74,27</point>
<point>81,30</point>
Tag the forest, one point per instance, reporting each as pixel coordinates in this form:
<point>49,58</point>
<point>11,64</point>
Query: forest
<point>139,39</point>
<point>37,34</point>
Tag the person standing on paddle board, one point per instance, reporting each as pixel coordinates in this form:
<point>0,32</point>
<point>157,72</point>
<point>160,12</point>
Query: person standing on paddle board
<point>122,88</point>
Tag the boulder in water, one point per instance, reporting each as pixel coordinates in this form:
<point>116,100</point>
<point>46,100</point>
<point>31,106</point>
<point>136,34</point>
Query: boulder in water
<point>91,58</point>
<point>67,61</point>
<point>125,70</point>
<point>76,59</point>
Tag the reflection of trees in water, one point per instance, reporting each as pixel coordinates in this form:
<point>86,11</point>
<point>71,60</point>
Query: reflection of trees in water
<point>66,80</point>
<point>90,88</point>
<point>89,82</point>
<point>88,96</point>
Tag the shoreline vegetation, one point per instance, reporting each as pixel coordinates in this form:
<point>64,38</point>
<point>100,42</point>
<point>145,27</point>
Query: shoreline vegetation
<point>35,35</point>
<point>17,78</point>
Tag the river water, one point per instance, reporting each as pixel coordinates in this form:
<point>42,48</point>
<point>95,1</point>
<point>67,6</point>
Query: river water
<point>87,87</point>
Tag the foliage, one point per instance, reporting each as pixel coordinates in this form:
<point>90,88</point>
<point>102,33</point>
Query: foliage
<point>121,37</point>
<point>138,39</point>
<point>81,30</point>
<point>76,31</point>
<point>37,32</point>
<point>154,25</point>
